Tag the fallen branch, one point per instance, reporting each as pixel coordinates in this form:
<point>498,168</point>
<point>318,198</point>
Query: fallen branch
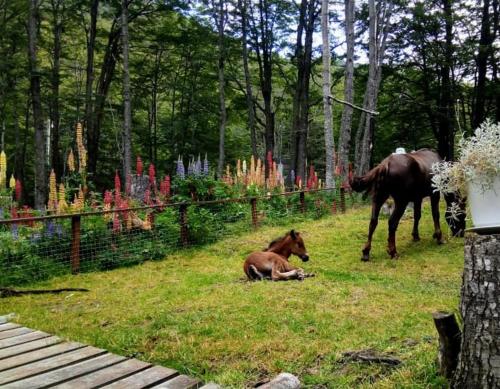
<point>375,113</point>
<point>370,356</point>
<point>8,292</point>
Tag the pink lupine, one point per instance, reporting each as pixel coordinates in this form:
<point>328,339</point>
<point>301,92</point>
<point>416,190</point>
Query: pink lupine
<point>19,190</point>
<point>117,189</point>
<point>152,175</point>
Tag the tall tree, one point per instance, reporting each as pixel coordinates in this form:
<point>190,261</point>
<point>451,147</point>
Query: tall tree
<point>346,122</point>
<point>127,110</point>
<point>243,8</point>
<point>35,90</point>
<point>308,15</point>
<point>327,107</point>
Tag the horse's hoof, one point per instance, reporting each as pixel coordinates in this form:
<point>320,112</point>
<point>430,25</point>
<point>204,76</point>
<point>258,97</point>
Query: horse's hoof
<point>365,258</point>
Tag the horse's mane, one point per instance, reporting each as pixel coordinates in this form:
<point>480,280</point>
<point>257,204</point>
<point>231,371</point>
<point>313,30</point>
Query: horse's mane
<point>275,241</point>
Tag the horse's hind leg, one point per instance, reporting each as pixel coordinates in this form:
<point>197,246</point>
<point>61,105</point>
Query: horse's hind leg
<point>417,213</point>
<point>435,217</point>
<point>256,275</point>
<point>396,215</point>
<point>276,275</point>
<point>376,205</point>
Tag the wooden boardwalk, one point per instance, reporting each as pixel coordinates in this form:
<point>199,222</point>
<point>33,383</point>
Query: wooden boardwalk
<point>35,359</point>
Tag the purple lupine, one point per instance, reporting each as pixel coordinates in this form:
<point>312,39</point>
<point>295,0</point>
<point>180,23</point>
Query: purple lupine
<point>181,173</point>
<point>292,177</point>
<point>190,168</point>
<point>15,231</point>
<point>49,229</point>
<point>205,166</point>
<point>59,231</point>
<point>197,167</point>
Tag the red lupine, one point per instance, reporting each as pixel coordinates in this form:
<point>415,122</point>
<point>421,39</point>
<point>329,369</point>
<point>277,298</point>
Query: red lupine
<point>19,190</point>
<point>152,175</point>
<point>116,223</point>
<point>117,189</point>
<point>139,166</point>
<point>165,186</point>
<point>108,197</point>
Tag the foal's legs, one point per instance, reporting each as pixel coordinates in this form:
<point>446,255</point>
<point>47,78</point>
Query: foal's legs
<point>376,205</point>
<point>276,275</point>
<point>399,210</point>
<point>435,216</point>
<point>417,213</point>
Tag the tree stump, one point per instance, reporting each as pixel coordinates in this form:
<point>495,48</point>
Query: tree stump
<point>479,362</point>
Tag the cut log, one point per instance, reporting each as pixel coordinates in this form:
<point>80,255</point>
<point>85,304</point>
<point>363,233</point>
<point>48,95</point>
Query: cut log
<point>449,342</point>
<point>479,361</point>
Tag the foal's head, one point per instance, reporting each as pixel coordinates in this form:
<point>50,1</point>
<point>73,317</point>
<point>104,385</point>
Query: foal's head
<point>292,243</point>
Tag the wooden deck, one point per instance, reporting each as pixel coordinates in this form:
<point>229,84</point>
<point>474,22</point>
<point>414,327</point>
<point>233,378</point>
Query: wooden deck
<point>35,359</point>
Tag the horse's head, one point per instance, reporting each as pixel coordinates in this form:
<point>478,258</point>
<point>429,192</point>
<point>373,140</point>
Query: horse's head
<point>358,184</point>
<point>297,246</point>
<point>455,213</point>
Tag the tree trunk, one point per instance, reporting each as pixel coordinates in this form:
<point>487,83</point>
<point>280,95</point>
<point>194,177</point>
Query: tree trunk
<point>303,57</point>
<point>485,45</point>
<point>40,149</point>
<point>89,81</point>
<point>365,151</point>
<point>479,362</point>
<point>327,107</point>
<point>446,104</point>
<point>242,5</point>
<point>127,110</point>
<point>220,19</point>
<point>346,123</point>
<point>56,158</point>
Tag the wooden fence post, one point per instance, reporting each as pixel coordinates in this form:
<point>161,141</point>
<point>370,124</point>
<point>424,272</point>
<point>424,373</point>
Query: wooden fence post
<point>253,203</point>
<point>183,224</point>
<point>75,244</point>
<point>342,199</point>
<point>302,202</point>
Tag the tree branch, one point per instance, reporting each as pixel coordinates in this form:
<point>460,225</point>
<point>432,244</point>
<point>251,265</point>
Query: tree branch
<point>353,106</point>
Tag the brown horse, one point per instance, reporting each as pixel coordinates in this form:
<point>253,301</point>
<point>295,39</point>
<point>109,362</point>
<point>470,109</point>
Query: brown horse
<point>406,178</point>
<point>272,263</point>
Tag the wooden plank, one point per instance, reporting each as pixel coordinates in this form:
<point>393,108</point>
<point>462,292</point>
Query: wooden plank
<point>180,382</point>
<point>106,375</point>
<point>14,332</point>
<point>153,375</point>
<point>8,326</point>
<point>37,355</point>
<point>29,346</point>
<point>49,364</point>
<point>10,342</point>
<point>211,385</point>
<point>67,373</point>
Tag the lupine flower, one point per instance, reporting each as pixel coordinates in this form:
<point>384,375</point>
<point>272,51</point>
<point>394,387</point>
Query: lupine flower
<point>19,190</point>
<point>147,197</point>
<point>116,223</point>
<point>52,205</point>
<point>12,182</point>
<point>165,186</point>
<point>190,168</point>
<point>62,205</point>
<point>244,168</point>
<point>118,187</point>
<point>269,158</point>
<point>197,167</point>
<point>139,166</point>
<point>181,172</point>
<point>152,175</point>
<point>3,169</point>
<point>82,152</point>
<point>14,231</point>
<point>1,213</point>
<point>49,229</point>
<point>71,161</point>
<point>59,231</point>
<point>205,166</point>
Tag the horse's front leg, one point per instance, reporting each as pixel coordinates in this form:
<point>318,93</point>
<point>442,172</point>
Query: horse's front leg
<point>396,215</point>
<point>417,213</point>
<point>376,205</point>
<point>435,217</point>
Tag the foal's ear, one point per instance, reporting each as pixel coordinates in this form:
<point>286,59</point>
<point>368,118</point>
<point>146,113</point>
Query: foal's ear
<point>293,234</point>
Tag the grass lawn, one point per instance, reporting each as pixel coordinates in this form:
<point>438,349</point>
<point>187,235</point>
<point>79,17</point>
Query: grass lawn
<point>194,312</point>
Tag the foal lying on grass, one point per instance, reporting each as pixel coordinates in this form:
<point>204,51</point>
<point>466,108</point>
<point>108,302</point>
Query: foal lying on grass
<point>272,263</point>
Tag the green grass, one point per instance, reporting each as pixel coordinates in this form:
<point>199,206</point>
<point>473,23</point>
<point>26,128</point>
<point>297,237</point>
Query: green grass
<point>195,312</point>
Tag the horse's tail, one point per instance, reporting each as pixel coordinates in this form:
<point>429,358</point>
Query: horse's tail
<point>372,181</point>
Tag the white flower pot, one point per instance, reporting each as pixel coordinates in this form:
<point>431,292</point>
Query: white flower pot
<point>485,204</point>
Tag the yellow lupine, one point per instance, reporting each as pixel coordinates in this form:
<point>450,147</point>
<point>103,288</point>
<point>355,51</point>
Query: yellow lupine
<point>71,161</point>
<point>12,182</point>
<point>62,205</point>
<point>3,161</point>
<point>52,191</point>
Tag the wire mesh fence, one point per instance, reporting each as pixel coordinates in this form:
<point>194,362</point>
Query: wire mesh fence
<point>37,248</point>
